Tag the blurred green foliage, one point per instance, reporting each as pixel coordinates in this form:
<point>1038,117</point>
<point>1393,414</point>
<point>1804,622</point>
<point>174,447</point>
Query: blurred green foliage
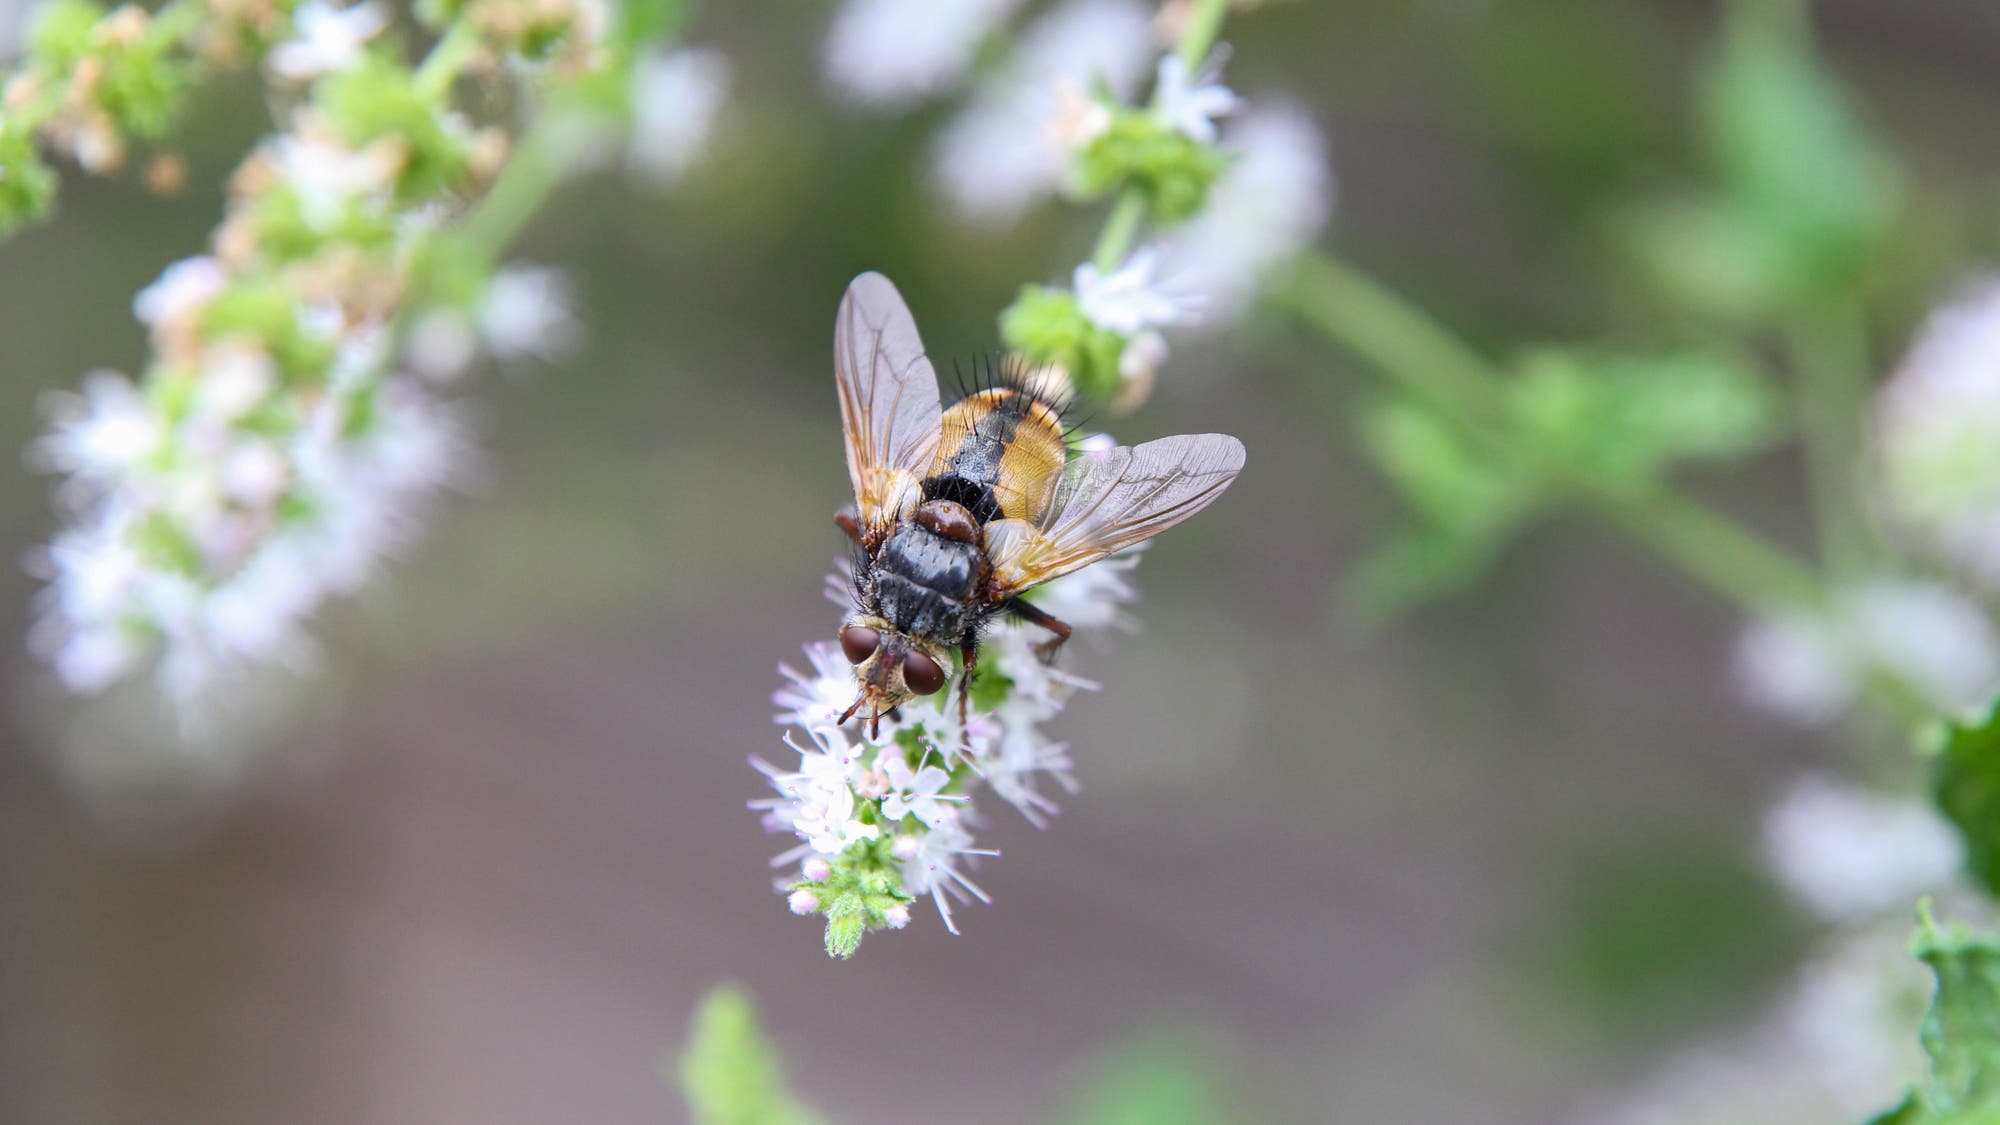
<point>1156,1078</point>
<point>729,1072</point>
<point>1965,779</point>
<point>1960,1033</point>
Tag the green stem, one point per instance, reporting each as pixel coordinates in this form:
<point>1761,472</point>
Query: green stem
<point>1361,315</point>
<point>1199,32</point>
<point>1720,553</point>
<point>1441,370</point>
<point>448,57</point>
<point>541,161</point>
<point>1198,35</point>
<point>1828,350</point>
<point>1119,230</point>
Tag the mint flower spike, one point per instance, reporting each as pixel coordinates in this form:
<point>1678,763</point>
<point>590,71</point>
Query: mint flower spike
<point>289,434</point>
<point>879,822</point>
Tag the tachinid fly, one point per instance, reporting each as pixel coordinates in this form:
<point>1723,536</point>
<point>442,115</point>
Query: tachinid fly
<point>959,512</point>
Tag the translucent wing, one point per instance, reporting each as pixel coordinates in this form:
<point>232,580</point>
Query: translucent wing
<point>889,410</point>
<point>1109,501</point>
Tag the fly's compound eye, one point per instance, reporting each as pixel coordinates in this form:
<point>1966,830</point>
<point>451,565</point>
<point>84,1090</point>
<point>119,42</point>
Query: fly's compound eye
<point>859,642</point>
<point>921,674</point>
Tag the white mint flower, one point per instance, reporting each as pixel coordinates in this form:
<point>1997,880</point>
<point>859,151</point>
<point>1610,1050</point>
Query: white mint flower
<point>529,311</point>
<point>1130,300</point>
<point>676,98</point>
<point>181,292</point>
<point>934,866</point>
<point>1934,434</point>
<point>1839,1045</point>
<point>100,434</point>
<point>1849,854</point>
<point>914,792</point>
<point>328,177</point>
<point>892,53</point>
<point>1932,639</point>
<point>1191,105</point>
<point>826,819</point>
<point>1010,146</point>
<point>328,39</point>
<point>1271,203</point>
<point>819,698</point>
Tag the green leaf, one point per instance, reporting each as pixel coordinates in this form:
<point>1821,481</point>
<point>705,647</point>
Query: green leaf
<point>1621,421</point>
<point>1961,1033</point>
<point>1790,151</point>
<point>1156,1079</point>
<point>1965,782</point>
<point>729,1072</point>
<point>1710,257</point>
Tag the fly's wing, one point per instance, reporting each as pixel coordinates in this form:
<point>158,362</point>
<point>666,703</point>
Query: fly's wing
<point>889,410</point>
<point>1109,501</point>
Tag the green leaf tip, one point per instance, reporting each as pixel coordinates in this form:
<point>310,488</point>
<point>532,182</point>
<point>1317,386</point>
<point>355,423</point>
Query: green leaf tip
<point>729,1072</point>
<point>1965,782</point>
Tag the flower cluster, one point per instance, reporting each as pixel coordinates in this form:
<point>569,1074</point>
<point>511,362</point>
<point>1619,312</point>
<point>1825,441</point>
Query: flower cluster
<point>1229,215</point>
<point>884,818</point>
<point>289,430</point>
<point>1236,190</point>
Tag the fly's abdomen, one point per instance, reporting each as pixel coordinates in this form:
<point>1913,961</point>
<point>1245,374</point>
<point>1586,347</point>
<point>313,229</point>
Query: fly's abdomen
<point>1000,454</point>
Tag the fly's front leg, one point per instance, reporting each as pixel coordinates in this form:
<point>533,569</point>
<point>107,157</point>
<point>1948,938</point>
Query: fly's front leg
<point>1059,630</point>
<point>848,519</point>
<point>970,651</point>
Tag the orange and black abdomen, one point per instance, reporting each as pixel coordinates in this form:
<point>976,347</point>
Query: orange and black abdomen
<point>1000,454</point>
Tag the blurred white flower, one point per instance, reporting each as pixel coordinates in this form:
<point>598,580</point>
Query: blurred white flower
<point>1848,854</point>
<point>1937,434</point>
<point>100,434</point>
<point>1130,299</point>
<point>1932,639</point>
<point>328,176</point>
<point>676,97</point>
<point>182,290</point>
<point>892,53</point>
<point>530,311</point>
<point>1190,105</point>
<point>327,38</point>
<point>1271,204</point>
<point>1840,1045</point>
<point>1007,149</point>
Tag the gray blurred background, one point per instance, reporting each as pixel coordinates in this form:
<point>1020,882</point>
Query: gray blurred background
<point>1474,864</point>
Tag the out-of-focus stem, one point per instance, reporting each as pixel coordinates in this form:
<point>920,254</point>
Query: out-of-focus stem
<point>1828,349</point>
<point>1431,363</point>
<point>446,59</point>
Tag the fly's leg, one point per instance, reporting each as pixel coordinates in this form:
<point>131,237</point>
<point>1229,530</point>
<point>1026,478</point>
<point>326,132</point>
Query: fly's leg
<point>849,521</point>
<point>1033,614</point>
<point>970,651</point>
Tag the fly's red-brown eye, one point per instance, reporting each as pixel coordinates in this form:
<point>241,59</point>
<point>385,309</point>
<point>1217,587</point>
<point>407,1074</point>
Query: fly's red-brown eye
<point>859,642</point>
<point>922,674</point>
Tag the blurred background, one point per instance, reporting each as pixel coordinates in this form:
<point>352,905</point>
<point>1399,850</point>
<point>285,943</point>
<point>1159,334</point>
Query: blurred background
<point>1485,861</point>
